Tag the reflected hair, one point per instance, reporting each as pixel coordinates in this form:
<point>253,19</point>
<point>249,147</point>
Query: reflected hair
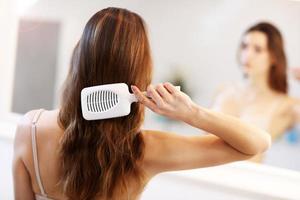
<point>277,77</point>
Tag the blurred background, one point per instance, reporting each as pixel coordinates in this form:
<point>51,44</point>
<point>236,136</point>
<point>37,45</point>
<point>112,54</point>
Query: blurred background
<point>194,44</point>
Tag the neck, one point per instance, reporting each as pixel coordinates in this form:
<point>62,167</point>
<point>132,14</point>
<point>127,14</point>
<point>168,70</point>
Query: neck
<point>259,85</point>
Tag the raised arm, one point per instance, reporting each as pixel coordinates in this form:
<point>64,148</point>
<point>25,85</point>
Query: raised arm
<point>232,139</point>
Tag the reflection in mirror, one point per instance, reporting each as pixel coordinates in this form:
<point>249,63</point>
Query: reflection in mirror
<point>262,98</point>
<point>218,51</point>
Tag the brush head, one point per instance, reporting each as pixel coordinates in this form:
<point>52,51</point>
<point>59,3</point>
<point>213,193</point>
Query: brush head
<point>106,101</point>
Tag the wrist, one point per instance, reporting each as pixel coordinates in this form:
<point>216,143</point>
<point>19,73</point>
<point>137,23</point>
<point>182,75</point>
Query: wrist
<point>195,115</point>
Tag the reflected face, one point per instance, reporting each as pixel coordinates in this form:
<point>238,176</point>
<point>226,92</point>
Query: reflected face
<point>254,54</point>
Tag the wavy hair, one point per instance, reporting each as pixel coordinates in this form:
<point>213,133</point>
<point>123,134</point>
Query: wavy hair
<point>98,157</point>
<point>277,77</point>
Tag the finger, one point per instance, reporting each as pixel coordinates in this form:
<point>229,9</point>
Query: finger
<point>154,95</point>
<point>143,98</point>
<point>171,88</point>
<point>163,92</point>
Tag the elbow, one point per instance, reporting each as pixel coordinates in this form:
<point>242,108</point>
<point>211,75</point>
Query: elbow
<point>261,144</point>
<point>265,143</point>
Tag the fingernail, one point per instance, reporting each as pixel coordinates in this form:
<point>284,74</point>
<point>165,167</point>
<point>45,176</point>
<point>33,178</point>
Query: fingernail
<point>133,88</point>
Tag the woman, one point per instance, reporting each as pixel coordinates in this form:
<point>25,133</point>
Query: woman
<point>59,155</point>
<point>262,99</point>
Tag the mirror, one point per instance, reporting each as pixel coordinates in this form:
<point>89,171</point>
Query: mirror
<point>194,44</point>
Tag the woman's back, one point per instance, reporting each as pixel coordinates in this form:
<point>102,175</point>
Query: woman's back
<point>48,135</point>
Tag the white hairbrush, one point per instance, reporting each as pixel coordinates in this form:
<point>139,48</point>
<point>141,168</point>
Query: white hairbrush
<point>106,101</point>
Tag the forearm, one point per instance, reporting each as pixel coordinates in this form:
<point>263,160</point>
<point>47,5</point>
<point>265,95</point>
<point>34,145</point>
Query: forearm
<point>168,101</point>
<point>240,135</point>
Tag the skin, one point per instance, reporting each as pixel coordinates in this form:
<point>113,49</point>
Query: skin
<point>254,101</point>
<point>296,73</point>
<point>230,139</point>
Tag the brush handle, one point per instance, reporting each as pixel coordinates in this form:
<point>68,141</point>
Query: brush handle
<point>134,99</point>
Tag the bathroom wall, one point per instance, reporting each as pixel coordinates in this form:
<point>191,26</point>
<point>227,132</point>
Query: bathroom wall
<point>8,35</point>
<point>35,69</point>
<point>199,38</point>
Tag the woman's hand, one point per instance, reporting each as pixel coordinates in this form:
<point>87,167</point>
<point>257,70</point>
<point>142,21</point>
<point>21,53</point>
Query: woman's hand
<point>166,100</point>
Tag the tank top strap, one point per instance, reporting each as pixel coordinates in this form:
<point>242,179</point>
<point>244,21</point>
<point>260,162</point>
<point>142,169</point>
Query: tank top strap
<point>35,151</point>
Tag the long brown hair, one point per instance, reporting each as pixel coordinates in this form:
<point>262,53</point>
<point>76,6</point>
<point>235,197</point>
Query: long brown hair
<point>277,74</point>
<point>97,157</point>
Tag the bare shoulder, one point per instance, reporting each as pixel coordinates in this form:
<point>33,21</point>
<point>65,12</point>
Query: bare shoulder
<point>22,140</point>
<point>169,151</point>
<point>289,102</point>
<point>228,88</point>
<point>23,130</point>
<point>22,144</point>
<point>228,98</point>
